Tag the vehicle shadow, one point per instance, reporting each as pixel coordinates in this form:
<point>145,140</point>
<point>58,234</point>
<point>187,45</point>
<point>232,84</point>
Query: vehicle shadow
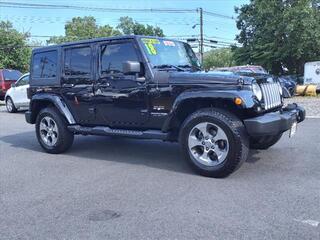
<point>253,156</point>
<point>151,153</point>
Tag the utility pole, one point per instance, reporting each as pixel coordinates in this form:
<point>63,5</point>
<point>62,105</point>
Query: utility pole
<point>201,35</point>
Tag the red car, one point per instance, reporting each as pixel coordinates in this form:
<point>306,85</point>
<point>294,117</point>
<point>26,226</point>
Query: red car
<point>7,77</point>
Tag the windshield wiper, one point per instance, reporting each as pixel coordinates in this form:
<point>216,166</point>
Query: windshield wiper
<point>164,66</point>
<point>190,66</point>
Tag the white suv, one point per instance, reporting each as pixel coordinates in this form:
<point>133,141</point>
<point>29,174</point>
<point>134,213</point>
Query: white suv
<point>16,97</point>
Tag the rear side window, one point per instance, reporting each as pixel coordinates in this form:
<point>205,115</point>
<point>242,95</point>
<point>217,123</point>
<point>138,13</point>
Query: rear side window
<point>10,75</point>
<point>77,61</point>
<point>113,56</point>
<point>45,64</point>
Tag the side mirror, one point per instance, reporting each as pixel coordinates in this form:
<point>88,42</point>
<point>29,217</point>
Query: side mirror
<point>13,85</point>
<point>131,67</point>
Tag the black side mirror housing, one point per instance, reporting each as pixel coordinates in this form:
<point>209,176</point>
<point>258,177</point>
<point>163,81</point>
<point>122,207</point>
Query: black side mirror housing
<point>131,67</point>
<point>13,85</point>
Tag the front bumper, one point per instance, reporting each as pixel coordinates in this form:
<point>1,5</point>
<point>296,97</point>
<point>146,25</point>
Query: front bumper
<point>276,122</point>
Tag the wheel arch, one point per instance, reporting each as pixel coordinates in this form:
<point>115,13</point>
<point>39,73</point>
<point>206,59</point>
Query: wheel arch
<point>41,101</point>
<point>187,103</point>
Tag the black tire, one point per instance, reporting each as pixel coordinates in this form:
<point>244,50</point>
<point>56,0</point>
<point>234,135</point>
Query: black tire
<point>235,132</point>
<point>11,109</point>
<point>264,142</point>
<point>64,136</point>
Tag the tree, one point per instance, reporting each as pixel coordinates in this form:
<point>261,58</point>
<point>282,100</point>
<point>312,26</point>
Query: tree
<point>84,28</point>
<point>128,26</point>
<point>14,50</point>
<point>222,57</point>
<point>278,34</point>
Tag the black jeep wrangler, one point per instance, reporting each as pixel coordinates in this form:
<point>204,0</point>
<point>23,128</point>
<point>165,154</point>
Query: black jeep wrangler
<point>153,88</point>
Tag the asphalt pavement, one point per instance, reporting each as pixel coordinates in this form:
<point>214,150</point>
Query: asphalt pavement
<point>113,188</point>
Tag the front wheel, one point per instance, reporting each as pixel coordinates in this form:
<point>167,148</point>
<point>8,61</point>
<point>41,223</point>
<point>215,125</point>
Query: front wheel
<point>11,108</point>
<point>214,142</point>
<point>52,132</point>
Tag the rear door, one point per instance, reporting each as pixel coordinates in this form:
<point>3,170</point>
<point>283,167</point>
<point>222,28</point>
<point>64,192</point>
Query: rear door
<point>77,81</point>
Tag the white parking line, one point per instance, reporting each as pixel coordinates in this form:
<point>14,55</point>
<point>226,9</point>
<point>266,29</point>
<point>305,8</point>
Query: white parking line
<point>313,223</point>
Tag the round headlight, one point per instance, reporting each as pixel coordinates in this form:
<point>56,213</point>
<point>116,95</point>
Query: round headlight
<point>280,89</point>
<point>257,91</point>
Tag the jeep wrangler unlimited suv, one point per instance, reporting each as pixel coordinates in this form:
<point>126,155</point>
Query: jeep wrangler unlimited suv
<point>153,88</point>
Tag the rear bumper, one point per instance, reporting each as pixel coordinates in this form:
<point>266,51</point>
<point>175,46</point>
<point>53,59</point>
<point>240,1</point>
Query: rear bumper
<point>2,94</point>
<point>276,122</point>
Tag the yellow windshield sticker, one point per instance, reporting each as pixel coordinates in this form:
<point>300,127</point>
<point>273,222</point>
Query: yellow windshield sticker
<point>149,43</point>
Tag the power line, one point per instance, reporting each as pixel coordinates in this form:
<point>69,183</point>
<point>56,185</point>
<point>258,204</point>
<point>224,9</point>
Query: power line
<point>54,6</point>
<point>103,9</point>
<point>217,15</point>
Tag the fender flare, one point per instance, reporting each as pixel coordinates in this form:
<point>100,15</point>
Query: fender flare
<point>245,95</point>
<point>57,101</point>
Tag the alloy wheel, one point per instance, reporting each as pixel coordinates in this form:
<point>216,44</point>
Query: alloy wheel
<point>208,144</point>
<point>9,105</point>
<point>48,131</point>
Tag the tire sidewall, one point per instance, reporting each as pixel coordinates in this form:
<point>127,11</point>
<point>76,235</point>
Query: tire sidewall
<point>61,128</point>
<point>233,146</point>
<point>14,109</point>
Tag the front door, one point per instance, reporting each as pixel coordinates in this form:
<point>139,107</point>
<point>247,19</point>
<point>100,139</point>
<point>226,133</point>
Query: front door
<point>20,92</point>
<point>77,82</point>
<point>122,100</point>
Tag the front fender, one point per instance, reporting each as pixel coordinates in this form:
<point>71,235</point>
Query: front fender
<point>216,95</point>
<point>55,100</point>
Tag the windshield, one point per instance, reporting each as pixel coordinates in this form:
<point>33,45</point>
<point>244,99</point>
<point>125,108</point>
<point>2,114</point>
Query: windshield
<point>11,74</point>
<point>169,53</point>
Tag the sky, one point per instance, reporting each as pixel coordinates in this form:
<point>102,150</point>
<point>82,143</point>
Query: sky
<point>49,22</point>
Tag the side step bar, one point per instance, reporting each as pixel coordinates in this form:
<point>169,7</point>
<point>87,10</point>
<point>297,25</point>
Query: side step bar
<point>106,131</point>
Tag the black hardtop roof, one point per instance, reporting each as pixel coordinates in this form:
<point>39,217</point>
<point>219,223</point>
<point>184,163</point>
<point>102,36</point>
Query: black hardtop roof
<point>93,40</point>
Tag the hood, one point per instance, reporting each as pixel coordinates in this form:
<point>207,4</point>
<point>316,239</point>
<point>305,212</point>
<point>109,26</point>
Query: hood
<point>207,78</point>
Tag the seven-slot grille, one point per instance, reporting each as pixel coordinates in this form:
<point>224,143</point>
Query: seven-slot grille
<point>271,95</point>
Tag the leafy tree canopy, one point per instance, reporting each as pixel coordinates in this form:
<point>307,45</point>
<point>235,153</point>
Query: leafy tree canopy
<point>80,28</point>
<point>222,57</point>
<point>129,26</point>
<point>14,50</point>
<point>86,28</point>
<point>279,34</point>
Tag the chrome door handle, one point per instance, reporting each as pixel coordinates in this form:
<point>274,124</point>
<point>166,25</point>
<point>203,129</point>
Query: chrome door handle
<point>107,84</point>
<point>68,85</point>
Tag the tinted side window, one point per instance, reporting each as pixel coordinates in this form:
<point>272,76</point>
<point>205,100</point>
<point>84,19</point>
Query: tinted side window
<point>77,61</point>
<point>11,74</point>
<point>113,56</point>
<point>23,81</point>
<point>45,64</point>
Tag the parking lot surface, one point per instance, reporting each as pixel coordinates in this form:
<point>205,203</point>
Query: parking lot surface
<point>112,188</point>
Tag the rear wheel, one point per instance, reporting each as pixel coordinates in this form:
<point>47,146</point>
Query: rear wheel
<point>52,132</point>
<point>264,142</point>
<point>11,108</point>
<point>214,142</point>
